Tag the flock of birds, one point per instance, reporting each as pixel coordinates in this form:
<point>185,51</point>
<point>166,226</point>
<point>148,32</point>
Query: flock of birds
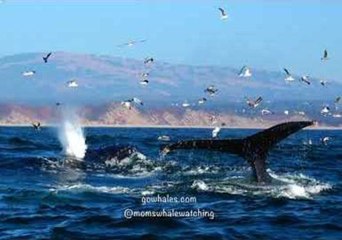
<point>210,91</point>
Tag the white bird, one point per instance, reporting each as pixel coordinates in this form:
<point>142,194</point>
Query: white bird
<point>28,73</point>
<point>245,72</point>
<point>325,55</point>
<point>323,83</point>
<point>185,104</point>
<point>301,113</point>
<point>131,43</point>
<point>164,138</point>
<point>148,60</point>
<point>224,15</point>
<point>337,115</point>
<point>286,112</point>
<point>266,112</point>
<point>137,101</point>
<point>202,100</point>
<point>211,90</point>
<point>215,132</point>
<point>289,77</point>
<point>254,103</point>
<point>144,74</point>
<point>144,82</point>
<point>72,84</point>
<point>305,79</point>
<point>127,104</point>
<point>325,140</point>
<point>325,110</point>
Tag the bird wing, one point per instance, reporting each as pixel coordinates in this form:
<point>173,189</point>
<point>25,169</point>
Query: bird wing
<point>242,69</point>
<point>137,100</point>
<point>258,100</point>
<point>286,71</point>
<point>222,11</point>
<point>325,53</point>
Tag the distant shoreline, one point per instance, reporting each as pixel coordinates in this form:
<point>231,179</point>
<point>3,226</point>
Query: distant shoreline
<point>170,126</point>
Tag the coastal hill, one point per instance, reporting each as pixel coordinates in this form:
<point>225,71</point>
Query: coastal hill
<point>105,81</point>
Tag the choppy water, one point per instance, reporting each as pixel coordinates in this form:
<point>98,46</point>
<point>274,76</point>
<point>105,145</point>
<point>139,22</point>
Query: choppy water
<point>41,196</point>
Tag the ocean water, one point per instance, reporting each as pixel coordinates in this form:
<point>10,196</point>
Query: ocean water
<point>44,195</point>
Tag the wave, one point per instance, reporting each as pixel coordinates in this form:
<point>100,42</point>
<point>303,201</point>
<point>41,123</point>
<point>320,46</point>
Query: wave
<point>292,186</point>
<point>23,144</point>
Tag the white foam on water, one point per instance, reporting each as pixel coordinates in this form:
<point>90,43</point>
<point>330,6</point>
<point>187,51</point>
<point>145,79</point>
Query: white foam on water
<point>292,186</point>
<point>90,188</point>
<point>200,185</point>
<point>298,186</point>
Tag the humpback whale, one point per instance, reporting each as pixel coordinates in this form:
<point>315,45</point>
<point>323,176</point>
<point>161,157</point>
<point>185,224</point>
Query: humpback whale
<point>108,153</point>
<point>253,148</point>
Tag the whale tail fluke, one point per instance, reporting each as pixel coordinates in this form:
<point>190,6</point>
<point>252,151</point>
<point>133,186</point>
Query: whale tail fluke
<point>253,148</point>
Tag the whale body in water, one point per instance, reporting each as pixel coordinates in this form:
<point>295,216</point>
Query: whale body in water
<point>253,148</point>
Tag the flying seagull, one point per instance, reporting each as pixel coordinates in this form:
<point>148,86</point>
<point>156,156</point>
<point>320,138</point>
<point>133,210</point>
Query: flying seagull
<point>325,110</point>
<point>323,83</point>
<point>245,72</point>
<point>202,100</point>
<point>131,43</point>
<point>211,90</point>
<point>148,60</point>
<point>72,84</point>
<point>254,103</point>
<point>224,15</point>
<point>144,74</point>
<point>289,77</point>
<point>137,101</point>
<point>305,79</point>
<point>28,73</point>
<point>266,112</point>
<point>36,126</point>
<point>325,55</point>
<point>144,82</point>
<point>185,104</point>
<point>128,103</point>
<point>47,57</point>
<point>301,113</point>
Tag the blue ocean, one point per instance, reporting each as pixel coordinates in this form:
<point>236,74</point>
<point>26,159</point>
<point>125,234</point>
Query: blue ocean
<point>185,195</point>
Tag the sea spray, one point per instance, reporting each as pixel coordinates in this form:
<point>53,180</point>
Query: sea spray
<point>71,135</point>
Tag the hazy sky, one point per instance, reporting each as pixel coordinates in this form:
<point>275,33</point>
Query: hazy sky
<point>265,34</point>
